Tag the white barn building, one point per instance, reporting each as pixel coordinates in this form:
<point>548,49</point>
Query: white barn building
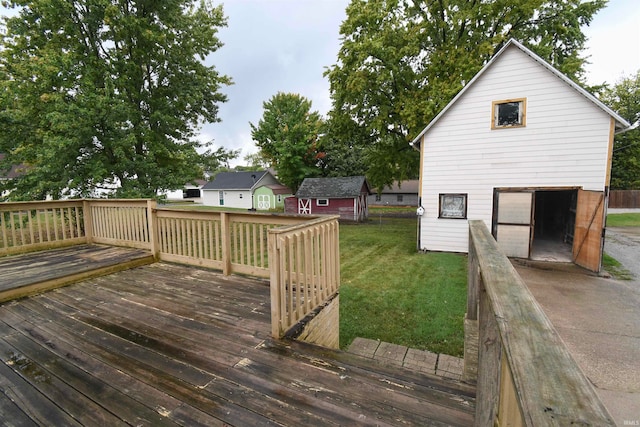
<point>528,151</point>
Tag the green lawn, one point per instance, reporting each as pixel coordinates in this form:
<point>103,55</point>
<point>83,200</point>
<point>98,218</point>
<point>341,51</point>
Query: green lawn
<point>377,210</point>
<point>623,220</point>
<point>391,292</point>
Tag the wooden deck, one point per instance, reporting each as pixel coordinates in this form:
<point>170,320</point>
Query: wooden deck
<point>172,345</point>
<point>35,272</point>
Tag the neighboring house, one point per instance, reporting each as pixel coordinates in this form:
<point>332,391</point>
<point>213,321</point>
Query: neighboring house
<point>528,151</point>
<point>235,189</point>
<point>190,192</point>
<point>271,196</point>
<point>346,196</point>
<point>404,193</point>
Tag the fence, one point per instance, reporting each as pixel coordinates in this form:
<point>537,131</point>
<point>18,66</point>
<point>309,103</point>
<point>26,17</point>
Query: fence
<point>525,374</point>
<point>120,222</point>
<point>629,199</point>
<point>29,226</point>
<point>305,272</point>
<point>299,254</point>
<point>231,242</point>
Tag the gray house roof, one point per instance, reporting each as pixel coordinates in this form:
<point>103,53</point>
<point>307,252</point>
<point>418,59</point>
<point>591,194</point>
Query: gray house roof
<point>333,188</point>
<point>405,187</point>
<point>235,180</point>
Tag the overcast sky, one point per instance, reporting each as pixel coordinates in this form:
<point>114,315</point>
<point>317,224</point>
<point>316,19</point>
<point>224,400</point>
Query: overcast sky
<point>285,45</point>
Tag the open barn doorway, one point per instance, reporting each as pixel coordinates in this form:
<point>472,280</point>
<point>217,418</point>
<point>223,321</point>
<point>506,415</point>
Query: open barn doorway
<point>554,225</point>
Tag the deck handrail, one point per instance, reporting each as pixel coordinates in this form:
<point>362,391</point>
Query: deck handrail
<point>32,226</point>
<point>305,270</point>
<point>298,253</point>
<point>234,242</point>
<point>120,222</point>
<point>526,375</point>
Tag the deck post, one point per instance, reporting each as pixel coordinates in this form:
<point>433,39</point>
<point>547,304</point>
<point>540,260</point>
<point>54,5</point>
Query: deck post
<point>274,281</point>
<point>470,371</point>
<point>152,205</point>
<point>225,224</point>
<point>88,221</point>
<point>489,364</point>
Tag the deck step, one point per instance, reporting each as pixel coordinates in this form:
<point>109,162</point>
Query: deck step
<point>437,394</point>
<point>33,273</point>
<point>441,365</point>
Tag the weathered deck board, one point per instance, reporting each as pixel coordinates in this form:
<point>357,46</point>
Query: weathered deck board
<point>35,272</point>
<point>173,345</point>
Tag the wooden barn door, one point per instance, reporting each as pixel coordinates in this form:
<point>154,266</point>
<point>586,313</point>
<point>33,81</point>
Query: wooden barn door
<point>304,206</point>
<point>588,237</point>
<point>513,227</point>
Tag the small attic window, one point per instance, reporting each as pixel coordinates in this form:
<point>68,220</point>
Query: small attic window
<point>322,202</point>
<point>508,113</point>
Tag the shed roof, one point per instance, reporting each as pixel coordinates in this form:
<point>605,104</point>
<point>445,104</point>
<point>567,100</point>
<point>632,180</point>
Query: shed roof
<point>279,189</point>
<point>333,188</point>
<point>235,180</point>
<point>621,124</point>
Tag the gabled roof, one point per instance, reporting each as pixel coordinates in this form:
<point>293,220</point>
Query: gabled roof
<point>235,180</point>
<point>621,124</point>
<point>333,188</point>
<point>405,187</point>
<point>279,189</point>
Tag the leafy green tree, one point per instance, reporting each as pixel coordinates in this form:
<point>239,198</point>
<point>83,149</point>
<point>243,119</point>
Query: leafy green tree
<point>287,136</point>
<point>214,160</point>
<point>343,149</point>
<point>624,97</point>
<point>104,94</point>
<point>402,61</point>
<point>256,161</point>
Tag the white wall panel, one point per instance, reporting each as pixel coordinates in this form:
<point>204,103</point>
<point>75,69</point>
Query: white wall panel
<point>564,144</point>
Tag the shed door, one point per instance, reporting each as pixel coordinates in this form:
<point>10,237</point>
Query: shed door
<point>264,202</point>
<point>514,223</point>
<point>304,206</point>
<point>588,238</point>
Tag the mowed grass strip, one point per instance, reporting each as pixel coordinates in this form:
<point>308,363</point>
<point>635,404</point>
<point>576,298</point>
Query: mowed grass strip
<point>391,292</point>
<point>623,220</point>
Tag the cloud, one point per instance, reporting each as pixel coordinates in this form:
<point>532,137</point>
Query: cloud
<point>269,47</point>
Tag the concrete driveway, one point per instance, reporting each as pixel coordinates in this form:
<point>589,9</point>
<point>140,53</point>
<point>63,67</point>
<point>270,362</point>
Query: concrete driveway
<point>599,320</point>
<point>623,243</point>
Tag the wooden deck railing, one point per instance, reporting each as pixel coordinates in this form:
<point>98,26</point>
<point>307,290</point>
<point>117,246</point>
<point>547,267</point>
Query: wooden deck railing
<point>299,254</point>
<point>526,376</point>
<point>305,270</point>
<point>232,242</point>
<point>31,226</point>
<point>120,222</point>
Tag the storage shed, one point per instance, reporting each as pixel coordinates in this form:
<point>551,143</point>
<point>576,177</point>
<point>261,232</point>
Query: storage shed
<point>271,196</point>
<point>344,196</point>
<point>528,151</point>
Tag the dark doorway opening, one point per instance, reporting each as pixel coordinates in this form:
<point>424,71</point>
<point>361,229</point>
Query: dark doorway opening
<point>554,223</point>
<point>191,193</point>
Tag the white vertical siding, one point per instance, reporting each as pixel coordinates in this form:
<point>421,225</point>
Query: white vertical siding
<point>564,144</point>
